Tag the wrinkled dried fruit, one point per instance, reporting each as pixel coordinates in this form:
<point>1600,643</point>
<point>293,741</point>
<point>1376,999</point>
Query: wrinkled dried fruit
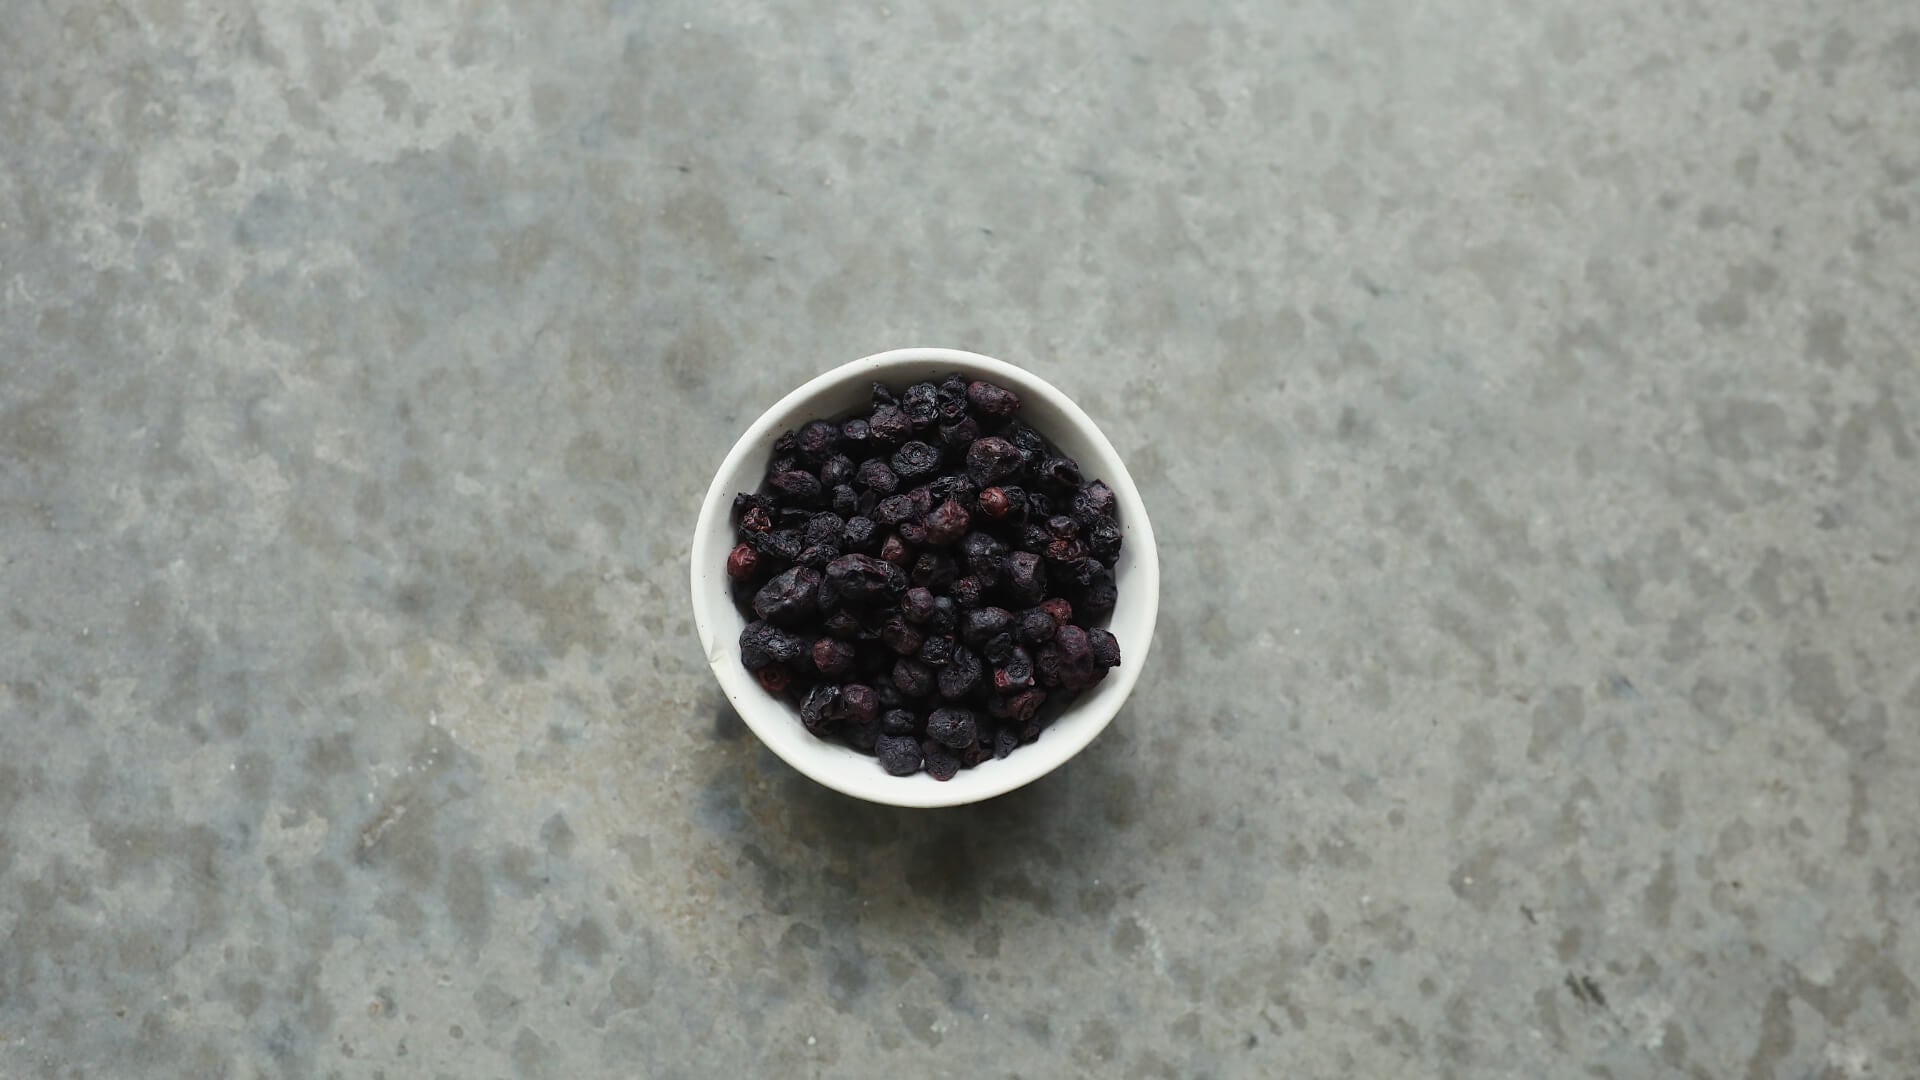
<point>742,562</point>
<point>1104,647</point>
<point>961,675</point>
<point>831,656</point>
<point>817,711</point>
<point>863,581</point>
<point>991,400</point>
<point>774,678</point>
<point>994,502</point>
<point>951,727</point>
<point>991,458</point>
<point>946,523</point>
<point>898,754</point>
<point>788,599</point>
<point>899,722</point>
<point>915,459</point>
<point>941,762</point>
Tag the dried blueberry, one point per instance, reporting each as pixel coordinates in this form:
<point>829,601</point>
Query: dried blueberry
<point>922,404</point>
<point>913,678</point>
<point>819,711</point>
<point>899,754</point>
<point>914,460</point>
<point>966,592</point>
<point>982,623</point>
<point>853,434</point>
<point>994,503</point>
<point>1036,626</point>
<point>1104,647</point>
<point>991,458</point>
<point>831,656</point>
<point>947,523</point>
<point>961,675</point>
<point>959,435</point>
<point>817,556</point>
<point>946,615</point>
<point>937,649</point>
<point>774,678</point>
<point>1094,502</point>
<point>859,534</point>
<point>817,439</point>
<point>1025,581</point>
<point>895,509</point>
<point>900,635</point>
<point>1103,541</point>
<point>941,762</point>
<point>894,550</point>
<point>889,426</point>
<point>999,648</point>
<point>952,727</point>
<point>859,703</point>
<point>790,597</point>
<point>874,475</point>
<point>797,487</point>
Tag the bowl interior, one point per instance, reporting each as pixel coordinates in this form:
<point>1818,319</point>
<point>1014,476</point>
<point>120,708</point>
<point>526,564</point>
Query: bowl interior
<point>844,391</point>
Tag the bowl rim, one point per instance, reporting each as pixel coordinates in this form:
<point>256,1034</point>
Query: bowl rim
<point>1029,763</point>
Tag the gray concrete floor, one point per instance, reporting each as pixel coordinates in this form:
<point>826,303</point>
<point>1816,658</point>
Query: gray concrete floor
<point>1551,710</point>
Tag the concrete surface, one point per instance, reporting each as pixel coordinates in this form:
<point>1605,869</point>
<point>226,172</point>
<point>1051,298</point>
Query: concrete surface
<point>1550,710</point>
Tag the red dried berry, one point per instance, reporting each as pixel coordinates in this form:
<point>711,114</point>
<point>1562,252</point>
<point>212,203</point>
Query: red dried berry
<point>774,678</point>
<point>991,458</point>
<point>1059,608</point>
<point>859,704</point>
<point>988,399</point>
<point>756,520</point>
<point>946,523</point>
<point>994,503</point>
<point>742,562</point>
<point>894,550</point>
<point>831,656</point>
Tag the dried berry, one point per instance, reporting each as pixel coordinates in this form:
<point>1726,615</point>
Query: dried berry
<point>817,439</point>
<point>946,616</point>
<point>982,623</point>
<point>998,649</point>
<point>800,488</point>
<point>1036,626</point>
<point>889,426</point>
<point>933,571</point>
<point>894,550</point>
<point>961,675</point>
<point>899,722</point>
<point>895,509</point>
<point>1025,581</point>
<point>1104,647</point>
<point>914,460</point>
<point>756,520</point>
<point>994,502</point>
<point>990,400</point>
<point>742,562</point>
<point>1060,609</point>
<point>922,404</point>
<point>837,471</point>
<point>859,704</point>
<point>762,644</point>
<point>844,500</point>
<point>819,710</point>
<point>1103,541</point>
<point>917,604</point>
<point>842,624</point>
<point>817,556</point>
<point>900,636</point>
<point>1094,502</point>
<point>874,475</point>
<point>946,523</point>
<point>774,678</point>
<point>898,754</point>
<point>951,727</point>
<point>991,458</point>
<point>941,762</point>
<point>853,434</point>
<point>780,544</point>
<point>1098,598</point>
<point>1062,474</point>
<point>789,598</point>
<point>937,649</point>
<point>859,533</point>
<point>966,592</point>
<point>960,434</point>
<point>831,656</point>
<point>864,581</point>
<point>913,678</point>
<point>1005,741</point>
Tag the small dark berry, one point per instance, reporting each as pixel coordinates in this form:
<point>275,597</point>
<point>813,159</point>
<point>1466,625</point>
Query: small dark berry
<point>1103,541</point>
<point>889,426</point>
<point>818,711</point>
<point>842,624</point>
<point>1098,598</point>
<point>774,678</point>
<point>1104,647</point>
<point>1039,505</point>
<point>895,509</point>
<point>1026,439</point>
<point>1025,579</point>
<point>883,395</point>
<point>789,597</point>
<point>937,650</point>
<point>913,678</point>
<point>1023,706</point>
<point>859,704</point>
<point>959,435</point>
<point>837,470</point>
<point>899,722</point>
<point>900,636</point>
<point>922,404</point>
<point>797,487</point>
<point>862,737</point>
<point>961,675</point>
<point>762,644</point>
<point>844,500</point>
<point>946,615</point>
<point>817,439</point>
<point>932,570</point>
<point>946,523</point>
<point>1019,666</point>
<point>1047,665</point>
<point>1063,473</point>
<point>922,497</point>
<point>988,399</point>
<point>854,433</point>
<point>994,503</point>
<point>951,403</point>
<point>1034,537</point>
<point>980,624</point>
<point>756,520</point>
<point>742,562</point>
<point>894,550</point>
<point>874,475</point>
<point>912,532</point>
<point>898,754</point>
<point>831,656</point>
<point>991,458</point>
<point>1094,502</point>
<point>977,752</point>
<point>1060,609</point>
<point>860,533</point>
<point>825,527</point>
<point>1036,626</point>
<point>817,556</point>
<point>954,728</point>
<point>966,592</point>
<point>999,648</point>
<point>1005,741</point>
<point>1065,551</point>
<point>941,762</point>
<point>986,557</point>
<point>917,604</point>
<point>786,443</point>
<point>864,581</point>
<point>1063,527</point>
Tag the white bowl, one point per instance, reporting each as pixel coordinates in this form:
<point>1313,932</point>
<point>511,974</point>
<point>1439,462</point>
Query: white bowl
<point>843,391</point>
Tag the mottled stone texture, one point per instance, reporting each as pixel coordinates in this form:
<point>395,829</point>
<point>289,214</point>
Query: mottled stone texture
<point>1552,711</point>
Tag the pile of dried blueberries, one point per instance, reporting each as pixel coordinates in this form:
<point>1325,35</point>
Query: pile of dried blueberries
<point>926,580</point>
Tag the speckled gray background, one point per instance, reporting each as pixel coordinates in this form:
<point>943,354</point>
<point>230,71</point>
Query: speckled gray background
<point>1551,708</point>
